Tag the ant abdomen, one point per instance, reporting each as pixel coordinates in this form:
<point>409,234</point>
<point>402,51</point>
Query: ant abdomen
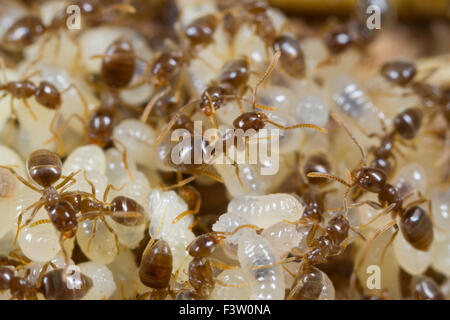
<point>122,204</point>
<point>44,167</point>
<point>292,59</point>
<point>201,30</point>
<point>417,228</point>
<point>74,287</point>
<point>23,33</point>
<point>317,163</point>
<point>400,72</point>
<point>119,64</point>
<point>408,122</point>
<point>156,265</point>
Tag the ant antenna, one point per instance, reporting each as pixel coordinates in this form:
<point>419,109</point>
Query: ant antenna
<point>267,74</point>
<point>361,149</point>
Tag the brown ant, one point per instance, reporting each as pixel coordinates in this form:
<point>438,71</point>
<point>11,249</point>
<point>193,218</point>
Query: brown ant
<point>26,30</point>
<point>45,94</point>
<point>415,223</point>
<point>53,285</point>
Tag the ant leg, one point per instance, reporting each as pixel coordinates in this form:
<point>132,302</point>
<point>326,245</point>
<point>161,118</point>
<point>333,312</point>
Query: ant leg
<point>330,177</point>
<point>20,178</point>
<point>39,222</point>
<point>91,238</point>
<point>373,204</point>
<point>109,187</point>
<point>67,179</point>
<point>124,158</point>
<point>220,265</point>
<point>64,127</point>
<point>11,120</point>
<point>386,211</point>
<point>173,120</point>
<point>65,254</point>
<point>179,183</point>
<point>81,96</point>
<point>182,215</point>
<point>43,271</point>
<point>389,243</point>
<point>116,237</point>
<point>93,189</point>
<point>265,76</point>
<point>148,108</point>
<point>37,205</point>
<point>27,105</point>
<point>55,134</point>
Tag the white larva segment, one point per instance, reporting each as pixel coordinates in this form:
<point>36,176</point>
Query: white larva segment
<point>41,242</point>
<point>33,133</point>
<point>89,158</point>
<point>413,261</point>
<point>282,236</point>
<point>441,256</point>
<point>266,283</point>
<point>129,236</point>
<point>138,189</point>
<point>97,179</point>
<point>115,167</point>
<point>328,291</point>
<point>238,289</point>
<point>410,178</point>
<point>102,247</point>
<point>311,109</point>
<point>125,272</point>
<point>177,235</point>
<point>138,137</point>
<point>103,280</point>
<point>350,99</point>
<point>264,211</point>
<point>441,209</point>
<point>10,189</point>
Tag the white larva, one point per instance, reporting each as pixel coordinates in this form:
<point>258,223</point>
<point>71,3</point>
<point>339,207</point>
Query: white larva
<point>264,211</point>
<point>265,283</point>
<point>237,287</point>
<point>138,137</point>
<point>103,280</point>
<point>88,157</point>
<point>282,236</point>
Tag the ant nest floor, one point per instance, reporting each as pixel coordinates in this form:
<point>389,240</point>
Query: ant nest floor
<point>222,150</point>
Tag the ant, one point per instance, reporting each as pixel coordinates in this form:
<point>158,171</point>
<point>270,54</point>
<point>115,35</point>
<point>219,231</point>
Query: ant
<point>53,285</point>
<point>28,29</point>
<point>45,94</point>
<point>415,222</point>
<point>406,125</point>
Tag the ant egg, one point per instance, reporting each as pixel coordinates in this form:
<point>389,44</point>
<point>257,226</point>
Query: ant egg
<point>103,280</point>
<point>350,99</point>
<point>441,257</point>
<point>96,241</point>
<point>39,242</point>
<point>115,167</point>
<point>138,137</point>
<point>265,283</point>
<point>125,271</point>
<point>238,288</point>
<point>410,259</point>
<point>311,109</point>
<point>264,211</point>
<point>410,178</point>
<point>88,158</point>
<point>282,236</point>
<point>441,209</point>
